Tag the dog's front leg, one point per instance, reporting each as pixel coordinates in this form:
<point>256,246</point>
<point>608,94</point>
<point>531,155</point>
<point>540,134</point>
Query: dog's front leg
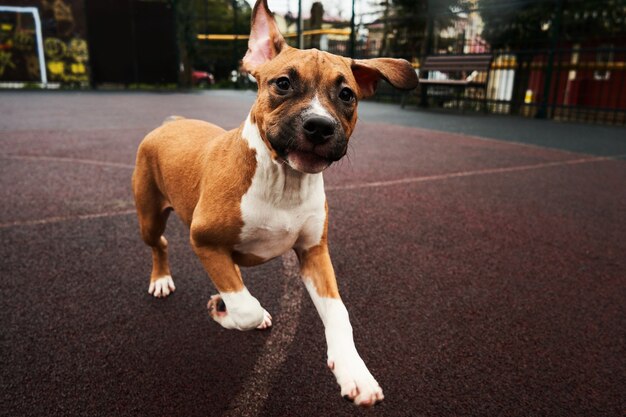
<point>355,380</point>
<point>234,307</point>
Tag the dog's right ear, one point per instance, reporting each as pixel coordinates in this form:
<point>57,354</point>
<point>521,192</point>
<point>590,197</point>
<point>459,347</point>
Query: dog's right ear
<point>265,39</point>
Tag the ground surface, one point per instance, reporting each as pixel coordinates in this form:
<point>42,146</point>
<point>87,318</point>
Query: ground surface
<point>483,276</point>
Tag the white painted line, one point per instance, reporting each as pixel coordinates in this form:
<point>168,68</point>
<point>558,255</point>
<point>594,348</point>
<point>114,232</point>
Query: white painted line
<point>66,160</point>
<point>488,171</point>
<point>250,400</point>
<point>58,219</point>
<point>374,184</point>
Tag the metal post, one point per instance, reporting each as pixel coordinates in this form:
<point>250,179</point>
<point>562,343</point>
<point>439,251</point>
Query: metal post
<point>133,40</point>
<point>40,54</point>
<point>235,32</point>
<point>299,26</point>
<point>542,111</point>
<point>352,32</point>
<point>430,32</point>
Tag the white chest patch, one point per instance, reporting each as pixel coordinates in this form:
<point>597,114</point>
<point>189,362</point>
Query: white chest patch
<point>282,208</point>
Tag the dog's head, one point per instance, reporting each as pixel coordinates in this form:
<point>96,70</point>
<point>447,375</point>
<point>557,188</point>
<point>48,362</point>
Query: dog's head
<point>307,99</point>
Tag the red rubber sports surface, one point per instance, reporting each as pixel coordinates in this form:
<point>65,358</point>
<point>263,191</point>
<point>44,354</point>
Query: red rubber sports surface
<point>482,277</point>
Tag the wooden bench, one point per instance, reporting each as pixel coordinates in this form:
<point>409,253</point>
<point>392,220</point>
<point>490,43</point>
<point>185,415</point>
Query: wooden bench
<point>461,70</point>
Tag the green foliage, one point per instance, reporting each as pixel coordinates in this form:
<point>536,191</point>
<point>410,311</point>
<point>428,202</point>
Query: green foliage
<point>408,23</point>
<point>523,24</point>
<point>599,19</point>
<point>218,16</point>
<point>516,24</point>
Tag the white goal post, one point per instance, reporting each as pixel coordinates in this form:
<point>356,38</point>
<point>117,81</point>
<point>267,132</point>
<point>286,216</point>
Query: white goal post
<point>40,55</point>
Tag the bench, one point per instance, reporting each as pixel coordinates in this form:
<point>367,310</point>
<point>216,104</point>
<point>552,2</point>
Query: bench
<point>463,68</point>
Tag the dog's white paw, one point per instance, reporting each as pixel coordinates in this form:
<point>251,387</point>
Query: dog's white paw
<point>267,321</point>
<point>219,313</point>
<point>162,287</point>
<point>355,380</point>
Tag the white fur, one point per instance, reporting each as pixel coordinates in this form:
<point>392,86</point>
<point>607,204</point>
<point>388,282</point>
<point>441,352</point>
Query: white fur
<point>352,375</point>
<point>162,286</point>
<point>282,208</point>
<point>243,311</point>
<point>318,109</point>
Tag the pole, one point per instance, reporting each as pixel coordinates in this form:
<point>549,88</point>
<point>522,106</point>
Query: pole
<point>430,34</point>
<point>352,32</point>
<point>40,54</point>
<point>542,111</point>
<point>235,31</point>
<point>299,26</point>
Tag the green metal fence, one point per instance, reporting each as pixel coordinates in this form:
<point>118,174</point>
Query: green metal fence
<point>559,59</point>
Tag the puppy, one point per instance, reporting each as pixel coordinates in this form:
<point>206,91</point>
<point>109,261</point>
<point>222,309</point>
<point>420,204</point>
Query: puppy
<point>253,193</point>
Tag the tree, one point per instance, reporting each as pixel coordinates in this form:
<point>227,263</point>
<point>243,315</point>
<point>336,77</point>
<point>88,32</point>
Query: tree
<point>516,25</point>
<point>524,24</point>
<point>408,22</point>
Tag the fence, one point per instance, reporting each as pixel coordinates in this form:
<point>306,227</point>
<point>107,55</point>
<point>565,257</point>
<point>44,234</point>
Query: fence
<point>585,84</point>
<point>558,59</point>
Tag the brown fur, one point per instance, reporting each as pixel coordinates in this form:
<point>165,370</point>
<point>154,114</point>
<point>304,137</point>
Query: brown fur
<point>317,71</point>
<point>201,171</point>
<point>194,166</point>
<point>315,265</point>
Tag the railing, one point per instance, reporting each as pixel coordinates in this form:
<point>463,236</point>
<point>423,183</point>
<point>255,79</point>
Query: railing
<point>587,85</point>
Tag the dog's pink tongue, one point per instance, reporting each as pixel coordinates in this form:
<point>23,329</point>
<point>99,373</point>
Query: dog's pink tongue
<point>308,162</point>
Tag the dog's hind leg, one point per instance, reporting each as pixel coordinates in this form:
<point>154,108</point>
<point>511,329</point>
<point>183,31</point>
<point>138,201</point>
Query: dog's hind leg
<point>161,282</point>
<point>152,212</point>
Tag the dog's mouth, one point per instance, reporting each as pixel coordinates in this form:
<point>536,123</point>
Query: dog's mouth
<point>307,161</point>
<point>301,154</point>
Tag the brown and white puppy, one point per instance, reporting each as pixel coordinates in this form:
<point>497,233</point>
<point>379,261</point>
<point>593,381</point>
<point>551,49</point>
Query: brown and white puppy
<point>253,193</point>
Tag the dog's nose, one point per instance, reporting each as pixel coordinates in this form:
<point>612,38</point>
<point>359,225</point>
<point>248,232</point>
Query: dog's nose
<point>319,129</point>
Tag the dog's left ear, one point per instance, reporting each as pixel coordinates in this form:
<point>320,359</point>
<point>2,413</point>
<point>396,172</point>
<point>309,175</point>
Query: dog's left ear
<point>265,39</point>
<point>397,72</point>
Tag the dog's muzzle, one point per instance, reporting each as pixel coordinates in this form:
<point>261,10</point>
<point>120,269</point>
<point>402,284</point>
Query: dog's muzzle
<point>309,143</point>
<point>321,142</point>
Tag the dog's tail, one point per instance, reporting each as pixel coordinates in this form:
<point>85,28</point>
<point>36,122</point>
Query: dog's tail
<point>171,119</point>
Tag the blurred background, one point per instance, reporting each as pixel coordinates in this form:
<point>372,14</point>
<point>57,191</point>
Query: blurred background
<point>558,59</point>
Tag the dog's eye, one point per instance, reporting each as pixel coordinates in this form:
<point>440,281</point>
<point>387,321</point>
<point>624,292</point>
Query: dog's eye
<point>346,95</point>
<point>283,83</point>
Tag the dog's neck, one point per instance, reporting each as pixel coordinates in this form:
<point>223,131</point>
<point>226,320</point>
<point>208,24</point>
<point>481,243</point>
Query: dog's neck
<point>280,181</point>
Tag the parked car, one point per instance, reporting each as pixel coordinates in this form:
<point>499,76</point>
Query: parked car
<point>202,79</point>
